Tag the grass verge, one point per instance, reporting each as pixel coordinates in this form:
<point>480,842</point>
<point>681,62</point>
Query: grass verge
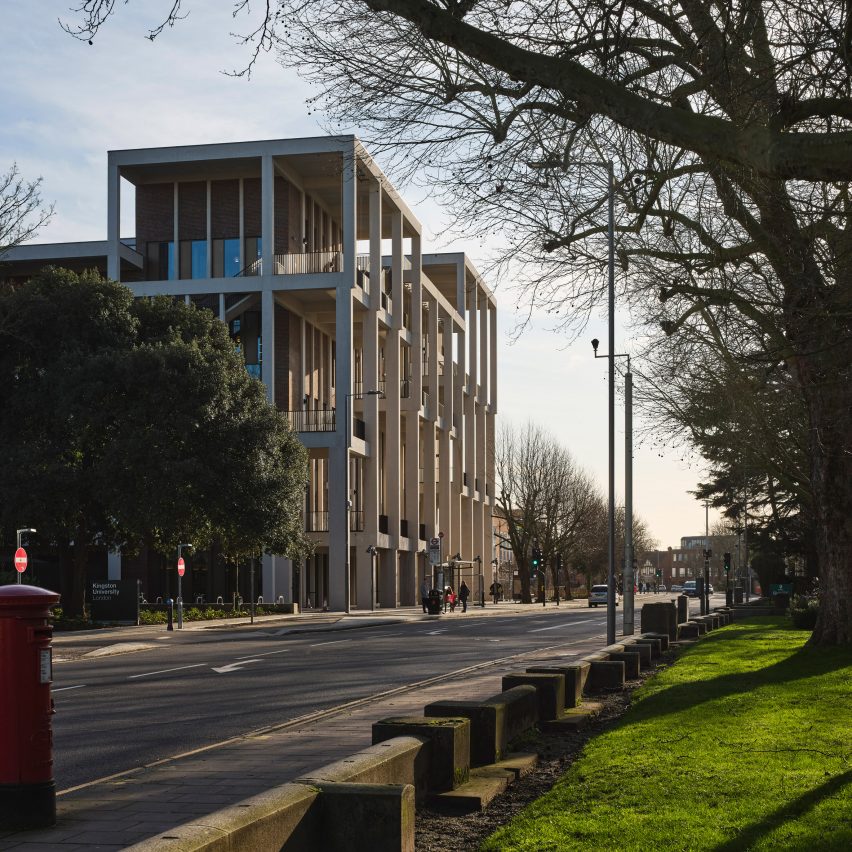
<point>744,744</point>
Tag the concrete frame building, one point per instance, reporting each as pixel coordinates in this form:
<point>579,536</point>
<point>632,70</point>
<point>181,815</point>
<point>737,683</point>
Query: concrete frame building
<point>383,358</point>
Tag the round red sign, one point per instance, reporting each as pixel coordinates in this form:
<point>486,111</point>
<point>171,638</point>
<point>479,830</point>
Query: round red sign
<point>20,560</point>
<point>181,566</point>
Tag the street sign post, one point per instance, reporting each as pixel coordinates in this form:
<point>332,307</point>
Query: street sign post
<point>20,561</point>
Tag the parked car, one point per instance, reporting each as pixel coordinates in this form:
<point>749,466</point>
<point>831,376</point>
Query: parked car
<point>598,595</point>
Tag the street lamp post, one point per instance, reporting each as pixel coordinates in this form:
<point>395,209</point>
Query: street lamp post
<point>372,550</point>
<point>628,624</point>
<point>347,605</point>
<point>179,592</point>
<point>18,534</point>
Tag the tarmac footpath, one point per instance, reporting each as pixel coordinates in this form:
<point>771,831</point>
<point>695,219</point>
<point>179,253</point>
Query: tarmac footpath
<point>120,810</point>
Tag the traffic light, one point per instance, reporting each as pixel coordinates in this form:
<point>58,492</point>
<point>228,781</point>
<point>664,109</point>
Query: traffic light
<point>727,558</point>
<point>659,573</point>
<point>536,557</point>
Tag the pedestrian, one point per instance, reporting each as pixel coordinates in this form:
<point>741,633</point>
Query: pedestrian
<point>424,594</point>
<point>464,594</point>
<point>451,599</point>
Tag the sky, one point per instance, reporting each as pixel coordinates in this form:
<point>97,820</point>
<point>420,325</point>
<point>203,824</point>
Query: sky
<point>66,103</point>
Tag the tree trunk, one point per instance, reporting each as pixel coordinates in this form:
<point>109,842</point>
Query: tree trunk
<point>831,426</point>
<point>524,574</point>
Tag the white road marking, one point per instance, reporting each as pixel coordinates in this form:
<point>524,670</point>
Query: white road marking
<point>266,654</point>
<point>166,671</point>
<point>233,667</point>
<point>334,642</point>
<point>561,624</point>
<point>434,632</point>
<point>63,688</point>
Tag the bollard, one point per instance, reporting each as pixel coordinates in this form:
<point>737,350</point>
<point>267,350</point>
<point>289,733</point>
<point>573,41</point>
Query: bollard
<point>170,613</point>
<point>682,609</point>
<point>27,789</point>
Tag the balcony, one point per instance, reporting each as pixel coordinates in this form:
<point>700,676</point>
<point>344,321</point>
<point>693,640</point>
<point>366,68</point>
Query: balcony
<point>316,420</point>
<point>318,521</point>
<point>308,263</point>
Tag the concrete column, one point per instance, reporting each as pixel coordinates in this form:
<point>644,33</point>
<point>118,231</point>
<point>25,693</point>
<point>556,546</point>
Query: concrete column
<point>277,578</point>
<point>267,229</point>
<point>338,454</point>
<point>393,420</point>
<point>242,225</point>
<point>267,319</point>
<point>470,397</point>
<point>176,227</point>
<point>444,436</point>
<point>222,312</point>
<point>492,372</point>
<point>114,222</point>
<point>209,230</point>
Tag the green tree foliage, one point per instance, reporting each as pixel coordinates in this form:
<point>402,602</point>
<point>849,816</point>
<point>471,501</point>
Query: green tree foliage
<point>127,420</point>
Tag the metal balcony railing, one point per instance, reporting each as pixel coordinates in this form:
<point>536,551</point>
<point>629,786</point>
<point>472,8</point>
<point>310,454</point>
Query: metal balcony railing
<point>309,263</point>
<point>311,420</point>
<point>318,521</point>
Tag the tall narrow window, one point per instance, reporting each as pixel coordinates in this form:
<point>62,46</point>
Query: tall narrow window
<point>253,254</point>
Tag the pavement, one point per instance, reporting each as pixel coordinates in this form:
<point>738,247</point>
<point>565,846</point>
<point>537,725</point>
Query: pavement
<point>117,811</point>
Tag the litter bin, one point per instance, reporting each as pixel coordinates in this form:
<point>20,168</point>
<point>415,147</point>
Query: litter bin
<point>434,603</point>
<point>738,594</point>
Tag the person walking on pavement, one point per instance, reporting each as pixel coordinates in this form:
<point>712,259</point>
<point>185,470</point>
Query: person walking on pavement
<point>424,594</point>
<point>464,594</point>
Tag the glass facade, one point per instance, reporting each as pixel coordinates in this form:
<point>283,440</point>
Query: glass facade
<point>226,258</point>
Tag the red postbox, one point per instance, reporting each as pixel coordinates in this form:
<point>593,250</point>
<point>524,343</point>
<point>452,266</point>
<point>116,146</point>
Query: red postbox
<point>27,790</point>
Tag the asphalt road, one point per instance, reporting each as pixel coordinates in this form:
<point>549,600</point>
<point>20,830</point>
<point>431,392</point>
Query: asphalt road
<point>194,688</point>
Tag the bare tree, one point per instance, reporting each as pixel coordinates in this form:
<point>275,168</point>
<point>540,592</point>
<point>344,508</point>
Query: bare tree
<point>22,212</point>
<point>546,499</point>
<point>729,126</point>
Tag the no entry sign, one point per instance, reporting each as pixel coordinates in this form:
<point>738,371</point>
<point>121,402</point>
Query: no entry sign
<point>181,567</point>
<point>20,560</point>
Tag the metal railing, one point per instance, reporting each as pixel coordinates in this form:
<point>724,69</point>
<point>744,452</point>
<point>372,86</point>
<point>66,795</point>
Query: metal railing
<point>309,263</point>
<point>311,420</point>
<point>318,521</point>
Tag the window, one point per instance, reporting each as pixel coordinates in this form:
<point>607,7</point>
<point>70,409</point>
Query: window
<point>253,254</point>
<point>226,258</point>
<point>160,261</point>
<point>193,258</point>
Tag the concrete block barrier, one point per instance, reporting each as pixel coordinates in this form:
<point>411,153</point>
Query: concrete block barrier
<point>494,722</point>
<point>604,673</point>
<point>654,644</point>
<point>575,674</point>
<point>665,639</point>
<point>631,662</point>
<point>689,630</point>
<point>550,688</point>
<point>659,618</point>
<point>287,817</point>
<point>449,746</point>
<point>402,760</point>
<point>366,818</point>
<point>640,648</point>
